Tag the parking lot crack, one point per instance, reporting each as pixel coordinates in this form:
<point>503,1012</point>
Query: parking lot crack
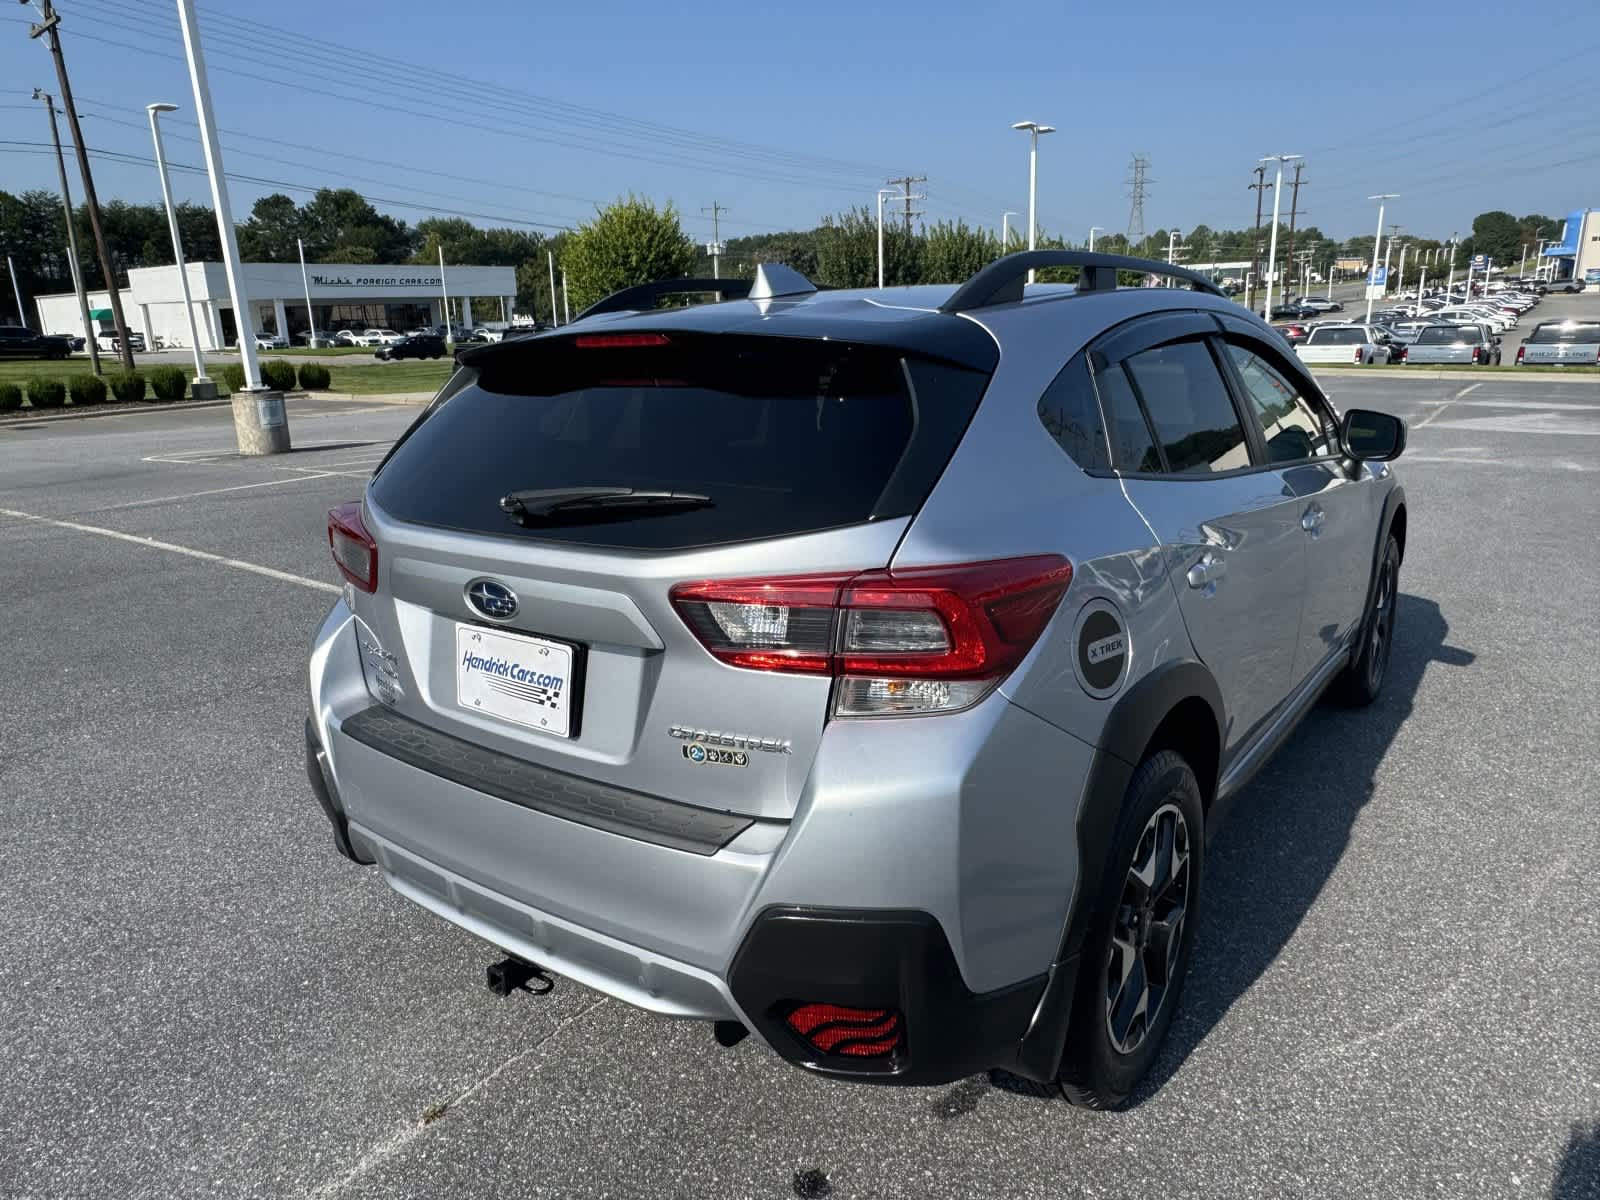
<point>385,1149</point>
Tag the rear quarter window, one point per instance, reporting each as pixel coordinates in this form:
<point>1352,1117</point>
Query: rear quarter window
<point>1070,413</point>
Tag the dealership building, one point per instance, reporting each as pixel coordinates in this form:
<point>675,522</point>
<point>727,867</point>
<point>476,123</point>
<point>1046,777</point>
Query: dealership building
<point>1577,254</point>
<point>343,296</point>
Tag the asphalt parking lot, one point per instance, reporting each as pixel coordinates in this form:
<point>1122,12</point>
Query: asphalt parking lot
<point>1395,988</point>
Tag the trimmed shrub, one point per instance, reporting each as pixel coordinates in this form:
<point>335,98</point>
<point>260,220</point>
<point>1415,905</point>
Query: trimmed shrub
<point>278,375</point>
<point>10,397</point>
<point>314,377</point>
<point>233,377</point>
<point>46,393</point>
<point>87,389</point>
<point>169,383</point>
<point>128,387</point>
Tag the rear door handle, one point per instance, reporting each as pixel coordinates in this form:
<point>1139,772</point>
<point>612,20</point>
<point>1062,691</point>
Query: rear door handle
<point>1313,519</point>
<point>1209,569</point>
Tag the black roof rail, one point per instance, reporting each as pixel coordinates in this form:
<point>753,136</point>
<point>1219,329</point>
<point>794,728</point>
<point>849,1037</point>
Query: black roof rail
<point>644,295</point>
<point>1001,281</point>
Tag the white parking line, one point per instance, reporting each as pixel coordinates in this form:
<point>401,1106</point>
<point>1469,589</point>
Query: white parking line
<point>187,551</point>
<point>1431,417</point>
<point>243,487</point>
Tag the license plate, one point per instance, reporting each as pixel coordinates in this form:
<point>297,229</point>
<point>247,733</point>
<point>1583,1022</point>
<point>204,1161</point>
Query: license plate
<point>525,680</point>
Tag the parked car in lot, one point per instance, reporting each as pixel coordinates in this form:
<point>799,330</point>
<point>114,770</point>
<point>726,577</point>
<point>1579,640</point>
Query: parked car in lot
<point>418,345</point>
<point>1321,304</point>
<point>1294,310</point>
<point>804,668</point>
<point>1464,314</point>
<point>1561,285</point>
<point>1453,344</point>
<point>18,341</point>
<point>1364,344</point>
<point>1296,331</point>
<point>1562,344</point>
<point>271,341</point>
<point>484,334</point>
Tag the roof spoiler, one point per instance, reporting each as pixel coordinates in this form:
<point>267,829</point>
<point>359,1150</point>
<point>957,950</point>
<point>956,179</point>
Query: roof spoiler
<point>1001,281</point>
<point>644,295</point>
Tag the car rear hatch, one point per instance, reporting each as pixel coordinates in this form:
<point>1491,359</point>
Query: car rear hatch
<point>521,610</point>
<point>1567,343</point>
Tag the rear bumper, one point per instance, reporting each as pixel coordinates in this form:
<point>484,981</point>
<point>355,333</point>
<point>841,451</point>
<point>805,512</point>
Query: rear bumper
<point>929,867</point>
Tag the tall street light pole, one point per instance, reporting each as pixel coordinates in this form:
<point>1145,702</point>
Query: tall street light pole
<point>202,388</point>
<point>1093,229</point>
<point>305,284</point>
<point>1033,129</point>
<point>1272,252</point>
<point>1005,229</point>
<point>16,290</point>
<point>1372,276</point>
<point>90,342</point>
<point>882,192</point>
<point>260,421</point>
<point>49,27</point>
<point>1455,241</point>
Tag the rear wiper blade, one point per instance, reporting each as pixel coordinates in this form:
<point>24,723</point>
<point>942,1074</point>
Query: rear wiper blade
<point>543,504</point>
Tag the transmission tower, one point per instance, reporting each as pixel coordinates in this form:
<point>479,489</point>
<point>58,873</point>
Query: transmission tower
<point>1138,184</point>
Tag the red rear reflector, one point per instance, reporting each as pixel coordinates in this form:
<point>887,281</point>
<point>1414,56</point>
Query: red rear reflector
<point>840,1029</point>
<point>617,341</point>
<point>354,551</point>
<point>1519,353</point>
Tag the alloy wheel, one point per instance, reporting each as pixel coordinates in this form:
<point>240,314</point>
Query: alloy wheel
<point>1147,931</point>
<point>1382,635</point>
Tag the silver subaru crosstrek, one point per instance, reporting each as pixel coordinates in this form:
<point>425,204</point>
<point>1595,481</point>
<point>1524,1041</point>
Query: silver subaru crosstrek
<point>862,669</point>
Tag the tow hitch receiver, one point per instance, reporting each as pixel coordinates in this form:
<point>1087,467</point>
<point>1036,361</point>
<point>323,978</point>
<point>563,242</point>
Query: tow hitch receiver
<point>513,975</point>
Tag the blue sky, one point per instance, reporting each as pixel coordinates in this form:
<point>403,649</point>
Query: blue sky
<point>783,113</point>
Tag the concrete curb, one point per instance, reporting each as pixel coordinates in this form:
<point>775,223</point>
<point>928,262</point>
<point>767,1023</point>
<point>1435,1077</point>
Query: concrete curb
<point>1480,374</point>
<point>114,409</point>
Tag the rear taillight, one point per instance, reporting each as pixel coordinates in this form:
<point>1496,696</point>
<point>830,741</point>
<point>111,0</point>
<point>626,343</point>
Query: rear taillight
<point>1405,353</point>
<point>1358,353</point>
<point>1477,353</point>
<point>354,551</point>
<point>620,341</point>
<point>1520,349</point>
<point>840,1029</point>
<point>920,640</point>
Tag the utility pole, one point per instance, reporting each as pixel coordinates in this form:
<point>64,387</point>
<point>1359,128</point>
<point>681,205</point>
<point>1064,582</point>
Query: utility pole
<point>1294,206</point>
<point>1138,189</point>
<point>16,290</point>
<point>715,246</point>
<point>90,342</point>
<point>49,27</point>
<point>1259,187</point>
<point>1277,197</point>
<point>905,182</point>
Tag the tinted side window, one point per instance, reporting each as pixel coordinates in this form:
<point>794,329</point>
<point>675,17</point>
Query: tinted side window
<point>1071,414</point>
<point>1291,425</point>
<point>1190,408</point>
<point>1131,447</point>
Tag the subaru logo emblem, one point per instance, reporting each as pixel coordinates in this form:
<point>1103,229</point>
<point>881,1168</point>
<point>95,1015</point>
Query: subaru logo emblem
<point>494,600</point>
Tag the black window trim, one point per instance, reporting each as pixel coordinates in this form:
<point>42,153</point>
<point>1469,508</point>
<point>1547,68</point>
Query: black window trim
<point>1211,337</point>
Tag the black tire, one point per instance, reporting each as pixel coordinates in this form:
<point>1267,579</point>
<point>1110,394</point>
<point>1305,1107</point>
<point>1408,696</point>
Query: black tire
<point>1360,683</point>
<point>1161,814</point>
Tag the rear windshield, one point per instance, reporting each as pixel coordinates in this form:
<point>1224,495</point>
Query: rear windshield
<point>1338,337</point>
<point>1446,335</point>
<point>785,436</point>
<point>1583,332</point>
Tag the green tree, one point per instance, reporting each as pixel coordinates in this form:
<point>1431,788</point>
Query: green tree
<point>1498,235</point>
<point>269,234</point>
<point>341,226</point>
<point>953,253</point>
<point>847,252</point>
<point>628,242</point>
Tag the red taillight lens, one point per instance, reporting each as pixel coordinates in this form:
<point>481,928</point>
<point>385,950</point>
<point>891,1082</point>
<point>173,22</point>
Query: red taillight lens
<point>619,341</point>
<point>840,1029</point>
<point>1405,353</point>
<point>1358,353</point>
<point>923,639</point>
<point>1519,355</point>
<point>354,551</point>
<point>1477,352</point>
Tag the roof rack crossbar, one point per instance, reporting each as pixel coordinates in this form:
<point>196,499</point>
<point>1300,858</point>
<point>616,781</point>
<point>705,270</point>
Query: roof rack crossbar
<point>644,295</point>
<point>1001,281</point>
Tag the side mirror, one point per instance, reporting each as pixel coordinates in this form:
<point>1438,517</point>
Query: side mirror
<point>1370,436</point>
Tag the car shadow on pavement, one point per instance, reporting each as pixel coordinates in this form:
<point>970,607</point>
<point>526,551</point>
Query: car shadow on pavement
<point>1578,1176</point>
<point>1286,832</point>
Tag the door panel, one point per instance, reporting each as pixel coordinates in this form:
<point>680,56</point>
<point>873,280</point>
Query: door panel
<point>1339,546</point>
<point>1236,556</point>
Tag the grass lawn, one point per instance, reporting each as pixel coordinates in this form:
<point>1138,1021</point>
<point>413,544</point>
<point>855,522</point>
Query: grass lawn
<point>370,379</point>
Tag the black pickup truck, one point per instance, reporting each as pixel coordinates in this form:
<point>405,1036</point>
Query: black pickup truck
<point>18,341</point>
